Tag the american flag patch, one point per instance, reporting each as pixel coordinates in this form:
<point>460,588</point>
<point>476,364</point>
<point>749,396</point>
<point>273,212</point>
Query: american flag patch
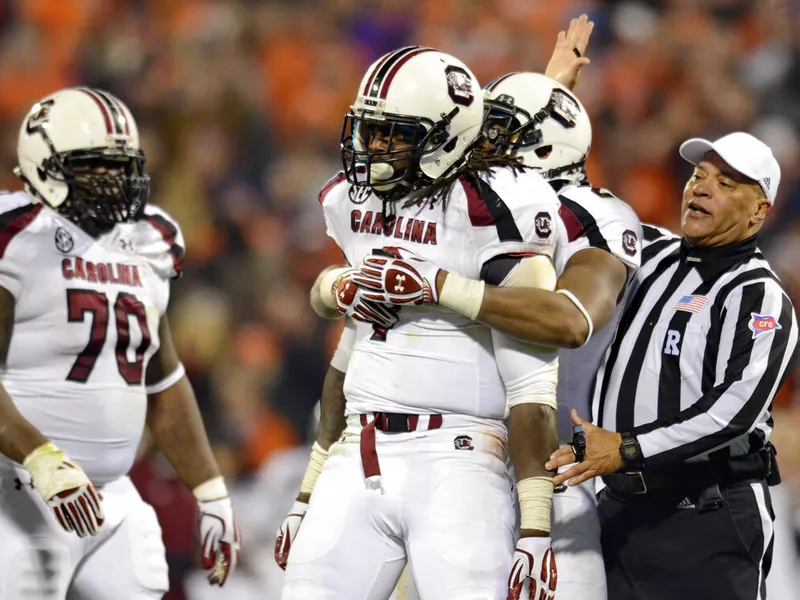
<point>692,304</point>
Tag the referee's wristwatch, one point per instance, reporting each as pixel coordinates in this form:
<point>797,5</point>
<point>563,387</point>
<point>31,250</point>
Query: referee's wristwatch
<point>631,452</point>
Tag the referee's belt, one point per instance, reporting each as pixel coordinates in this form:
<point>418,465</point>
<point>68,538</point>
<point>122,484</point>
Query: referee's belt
<point>389,423</point>
<point>695,476</point>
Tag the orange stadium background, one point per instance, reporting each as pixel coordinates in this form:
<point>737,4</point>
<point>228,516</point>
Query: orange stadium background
<point>240,105</point>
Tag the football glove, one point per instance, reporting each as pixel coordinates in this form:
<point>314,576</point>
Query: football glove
<point>66,489</point>
<point>351,302</point>
<point>398,276</point>
<point>219,534</point>
<point>533,573</point>
<point>288,531</point>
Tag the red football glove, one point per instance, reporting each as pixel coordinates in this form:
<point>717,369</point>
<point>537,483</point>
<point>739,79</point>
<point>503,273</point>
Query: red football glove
<point>219,535</point>
<point>288,531</point>
<point>398,276</point>
<point>533,574</point>
<point>350,301</point>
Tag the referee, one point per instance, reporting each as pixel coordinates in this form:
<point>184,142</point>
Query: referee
<point>707,338</point>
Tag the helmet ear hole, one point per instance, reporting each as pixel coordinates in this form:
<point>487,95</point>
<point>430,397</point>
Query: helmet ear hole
<point>41,173</point>
<point>451,145</point>
<point>544,151</point>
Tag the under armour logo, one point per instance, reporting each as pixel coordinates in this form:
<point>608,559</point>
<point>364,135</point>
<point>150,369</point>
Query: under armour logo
<point>766,182</point>
<point>399,285</point>
<point>126,244</point>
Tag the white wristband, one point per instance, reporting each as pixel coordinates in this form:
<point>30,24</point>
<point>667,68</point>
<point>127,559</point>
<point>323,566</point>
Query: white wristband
<point>535,502</point>
<point>213,489</point>
<point>315,463</point>
<point>326,284</point>
<point>167,382</point>
<point>584,312</point>
<point>462,295</point>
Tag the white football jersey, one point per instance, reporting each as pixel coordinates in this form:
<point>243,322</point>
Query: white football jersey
<point>591,218</point>
<point>433,360</point>
<point>85,326</point>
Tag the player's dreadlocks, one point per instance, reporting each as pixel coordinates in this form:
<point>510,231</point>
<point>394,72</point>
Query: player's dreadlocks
<point>477,163</point>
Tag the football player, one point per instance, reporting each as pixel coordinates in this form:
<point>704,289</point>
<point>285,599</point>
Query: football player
<point>85,272</point>
<point>419,474</point>
<point>532,117</point>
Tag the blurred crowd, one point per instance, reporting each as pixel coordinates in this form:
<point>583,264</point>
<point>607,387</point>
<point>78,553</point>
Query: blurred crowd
<point>240,105</point>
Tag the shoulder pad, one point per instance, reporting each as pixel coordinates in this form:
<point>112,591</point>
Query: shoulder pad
<point>159,240</point>
<point>17,211</point>
<point>329,186</point>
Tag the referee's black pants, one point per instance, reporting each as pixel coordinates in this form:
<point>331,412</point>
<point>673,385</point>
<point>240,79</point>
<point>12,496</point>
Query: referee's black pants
<point>669,546</point>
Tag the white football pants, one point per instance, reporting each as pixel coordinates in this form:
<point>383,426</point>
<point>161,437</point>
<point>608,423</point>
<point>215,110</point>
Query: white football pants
<point>446,507</point>
<point>39,560</point>
<point>576,542</point>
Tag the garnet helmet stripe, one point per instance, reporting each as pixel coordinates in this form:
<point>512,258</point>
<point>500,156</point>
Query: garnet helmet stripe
<point>374,85</point>
<point>115,111</point>
<point>102,106</point>
<point>395,68</point>
<point>499,80</point>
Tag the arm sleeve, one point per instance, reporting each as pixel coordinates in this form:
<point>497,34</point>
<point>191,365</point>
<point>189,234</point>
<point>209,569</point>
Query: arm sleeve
<point>341,357</point>
<point>759,338</point>
<point>529,372</point>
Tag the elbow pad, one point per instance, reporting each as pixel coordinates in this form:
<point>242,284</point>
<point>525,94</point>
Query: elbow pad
<point>532,271</point>
<point>530,373</point>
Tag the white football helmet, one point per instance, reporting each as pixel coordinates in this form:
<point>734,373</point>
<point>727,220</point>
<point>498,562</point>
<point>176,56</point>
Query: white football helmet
<point>426,99</point>
<point>78,151</point>
<point>533,117</point>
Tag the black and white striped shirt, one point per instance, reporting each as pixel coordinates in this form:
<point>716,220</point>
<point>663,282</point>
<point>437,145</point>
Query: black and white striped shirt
<point>706,339</point>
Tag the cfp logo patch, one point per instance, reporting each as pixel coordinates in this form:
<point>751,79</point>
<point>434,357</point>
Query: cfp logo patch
<point>672,343</point>
<point>761,324</point>
<point>543,224</point>
<point>64,241</point>
<point>463,442</point>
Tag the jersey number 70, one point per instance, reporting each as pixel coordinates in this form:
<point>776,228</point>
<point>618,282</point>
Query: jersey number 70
<point>80,302</point>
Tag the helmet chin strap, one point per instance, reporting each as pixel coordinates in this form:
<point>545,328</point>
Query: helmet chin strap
<point>554,174</point>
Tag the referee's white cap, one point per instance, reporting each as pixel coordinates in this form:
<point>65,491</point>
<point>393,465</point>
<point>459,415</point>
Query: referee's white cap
<point>745,153</point>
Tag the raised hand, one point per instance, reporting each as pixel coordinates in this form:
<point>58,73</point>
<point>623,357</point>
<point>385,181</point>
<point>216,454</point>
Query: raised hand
<point>569,55</point>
